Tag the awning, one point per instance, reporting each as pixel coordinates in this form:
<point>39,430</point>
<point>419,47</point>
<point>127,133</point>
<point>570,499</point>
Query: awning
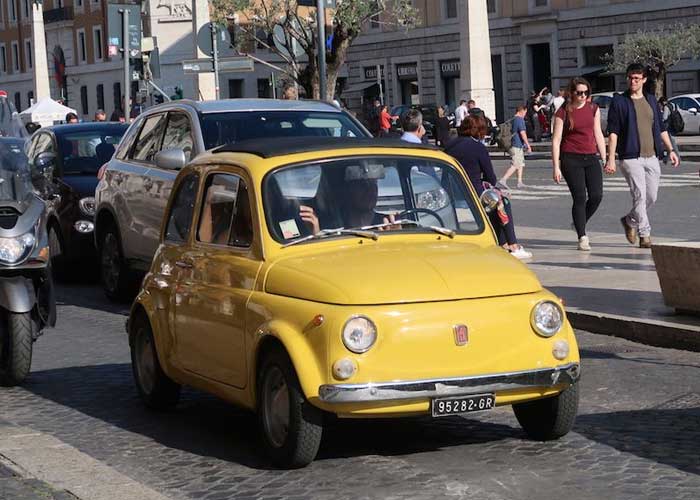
<point>357,88</point>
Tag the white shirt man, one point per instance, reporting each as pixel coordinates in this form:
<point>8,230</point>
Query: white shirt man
<point>461,112</point>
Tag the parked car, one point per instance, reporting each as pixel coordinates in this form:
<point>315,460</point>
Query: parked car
<point>76,152</point>
<point>134,188</point>
<point>343,312</point>
<point>689,107</point>
<point>603,100</point>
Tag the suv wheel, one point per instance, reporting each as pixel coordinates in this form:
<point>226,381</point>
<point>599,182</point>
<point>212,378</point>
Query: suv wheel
<point>114,273</point>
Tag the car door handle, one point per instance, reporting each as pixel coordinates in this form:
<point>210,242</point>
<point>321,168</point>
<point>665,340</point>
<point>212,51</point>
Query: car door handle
<point>184,264</point>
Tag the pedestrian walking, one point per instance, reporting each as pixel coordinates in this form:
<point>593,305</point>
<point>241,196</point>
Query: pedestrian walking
<point>442,127</point>
<point>638,135</point>
<point>559,100</point>
<point>373,117</point>
<point>100,115</point>
<point>385,119</point>
<point>673,120</point>
<point>461,112</point>
<point>474,158</point>
<point>519,144</point>
<point>533,117</point>
<point>576,139</point>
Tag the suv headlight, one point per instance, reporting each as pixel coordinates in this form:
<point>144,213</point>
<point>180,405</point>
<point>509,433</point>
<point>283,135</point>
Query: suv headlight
<point>14,250</point>
<point>87,206</point>
<point>432,200</point>
<point>547,318</point>
<point>359,334</point>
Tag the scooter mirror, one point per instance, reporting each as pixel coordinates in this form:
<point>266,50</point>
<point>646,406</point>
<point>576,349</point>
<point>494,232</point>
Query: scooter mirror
<point>44,161</point>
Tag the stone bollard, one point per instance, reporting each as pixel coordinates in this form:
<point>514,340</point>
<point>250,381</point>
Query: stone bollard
<point>678,269</point>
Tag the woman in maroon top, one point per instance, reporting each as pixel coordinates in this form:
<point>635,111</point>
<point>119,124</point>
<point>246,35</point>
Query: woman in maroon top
<point>576,139</point>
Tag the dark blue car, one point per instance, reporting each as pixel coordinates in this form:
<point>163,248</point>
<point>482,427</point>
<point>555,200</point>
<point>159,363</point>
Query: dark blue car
<point>76,151</point>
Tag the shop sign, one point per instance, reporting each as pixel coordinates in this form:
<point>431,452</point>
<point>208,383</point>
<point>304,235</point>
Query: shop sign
<point>371,72</point>
<point>449,69</point>
<point>407,71</point>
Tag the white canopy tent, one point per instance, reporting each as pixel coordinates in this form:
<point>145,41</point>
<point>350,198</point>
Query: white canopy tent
<point>45,112</point>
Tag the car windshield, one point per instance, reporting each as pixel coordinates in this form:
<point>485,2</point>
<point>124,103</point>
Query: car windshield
<point>85,151</point>
<point>15,177</point>
<point>226,128</point>
<point>368,193</point>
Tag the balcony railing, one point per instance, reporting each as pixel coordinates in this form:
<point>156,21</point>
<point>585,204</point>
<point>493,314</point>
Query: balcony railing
<point>58,15</point>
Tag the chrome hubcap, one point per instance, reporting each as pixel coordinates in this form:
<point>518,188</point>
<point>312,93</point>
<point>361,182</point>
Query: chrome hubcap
<point>110,261</point>
<point>276,407</point>
<point>145,361</point>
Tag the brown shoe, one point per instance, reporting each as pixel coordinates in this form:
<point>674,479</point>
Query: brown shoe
<point>645,242</point>
<point>630,232</point>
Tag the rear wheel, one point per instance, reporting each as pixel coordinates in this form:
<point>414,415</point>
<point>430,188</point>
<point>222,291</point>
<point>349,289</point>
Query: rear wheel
<point>115,275</point>
<point>291,427</point>
<point>16,348</point>
<point>156,389</point>
<point>59,265</point>
<point>550,418</point>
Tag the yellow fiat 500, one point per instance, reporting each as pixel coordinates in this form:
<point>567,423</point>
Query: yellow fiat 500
<point>351,277</point>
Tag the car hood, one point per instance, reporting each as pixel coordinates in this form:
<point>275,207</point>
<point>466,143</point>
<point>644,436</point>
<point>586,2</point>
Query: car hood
<point>393,273</point>
<point>82,185</point>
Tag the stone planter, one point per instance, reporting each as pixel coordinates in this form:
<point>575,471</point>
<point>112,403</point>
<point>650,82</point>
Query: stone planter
<point>678,269</point>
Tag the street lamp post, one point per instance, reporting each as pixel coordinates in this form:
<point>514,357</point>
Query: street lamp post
<point>321,22</point>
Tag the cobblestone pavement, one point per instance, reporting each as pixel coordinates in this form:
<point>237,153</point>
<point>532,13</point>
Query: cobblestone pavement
<point>15,487</point>
<point>637,435</point>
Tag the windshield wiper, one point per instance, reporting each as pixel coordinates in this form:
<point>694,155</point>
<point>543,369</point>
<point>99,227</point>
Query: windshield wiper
<point>324,233</point>
<point>438,229</point>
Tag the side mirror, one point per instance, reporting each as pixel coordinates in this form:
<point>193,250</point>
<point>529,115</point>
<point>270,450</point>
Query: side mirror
<point>490,199</point>
<point>45,161</point>
<point>693,110</point>
<point>171,159</point>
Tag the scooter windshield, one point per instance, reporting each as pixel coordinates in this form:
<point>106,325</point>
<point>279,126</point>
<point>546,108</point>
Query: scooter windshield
<point>15,176</point>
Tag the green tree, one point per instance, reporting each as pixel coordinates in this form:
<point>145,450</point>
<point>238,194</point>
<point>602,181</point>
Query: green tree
<point>658,50</point>
<point>298,27</point>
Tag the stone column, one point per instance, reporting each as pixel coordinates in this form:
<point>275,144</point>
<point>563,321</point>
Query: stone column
<point>41,67</point>
<point>204,85</point>
<point>476,81</point>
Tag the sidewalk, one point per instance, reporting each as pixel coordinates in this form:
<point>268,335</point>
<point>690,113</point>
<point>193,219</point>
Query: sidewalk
<point>612,290</point>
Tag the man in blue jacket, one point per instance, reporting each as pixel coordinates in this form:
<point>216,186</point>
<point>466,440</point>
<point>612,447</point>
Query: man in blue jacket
<point>638,134</point>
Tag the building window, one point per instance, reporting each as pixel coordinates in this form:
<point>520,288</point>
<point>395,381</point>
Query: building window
<point>374,20</point>
<point>12,8</point>
<point>84,99</point>
<point>541,3</point>
<point>100,92</point>
<point>117,90</point>
<point>82,49</point>
<point>2,13</point>
<point>28,56</point>
<point>26,8</point>
<point>235,88</point>
<point>18,102</point>
<point>594,55</point>
<point>3,59</point>
<point>59,4</point>
<point>450,9</point>
<point>97,39</point>
<point>264,88</point>
<point>78,5</point>
<point>15,57</point>
<point>30,98</point>
<point>491,6</point>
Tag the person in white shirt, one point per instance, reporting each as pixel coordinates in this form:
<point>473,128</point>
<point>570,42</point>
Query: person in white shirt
<point>558,100</point>
<point>412,124</point>
<point>461,112</point>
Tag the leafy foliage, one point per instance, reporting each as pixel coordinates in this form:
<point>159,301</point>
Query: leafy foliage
<point>257,20</point>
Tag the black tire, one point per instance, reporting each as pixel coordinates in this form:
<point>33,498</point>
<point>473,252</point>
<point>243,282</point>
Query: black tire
<point>157,390</point>
<point>16,348</point>
<point>550,418</point>
<point>295,445</point>
<point>59,263</point>
<point>117,279</point>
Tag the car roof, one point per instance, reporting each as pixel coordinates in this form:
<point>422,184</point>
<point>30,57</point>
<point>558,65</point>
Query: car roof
<point>86,127</point>
<point>605,94</point>
<point>292,145</point>
<point>232,105</point>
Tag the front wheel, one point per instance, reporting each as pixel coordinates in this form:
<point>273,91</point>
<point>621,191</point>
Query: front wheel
<point>291,427</point>
<point>114,273</point>
<point>549,418</point>
<point>16,348</point>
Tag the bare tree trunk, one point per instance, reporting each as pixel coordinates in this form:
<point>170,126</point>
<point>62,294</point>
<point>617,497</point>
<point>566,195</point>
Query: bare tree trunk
<point>661,83</point>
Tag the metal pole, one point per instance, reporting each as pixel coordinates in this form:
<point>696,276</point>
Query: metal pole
<point>379,82</point>
<point>127,76</point>
<point>274,85</point>
<point>321,21</point>
<point>215,58</point>
<point>165,96</point>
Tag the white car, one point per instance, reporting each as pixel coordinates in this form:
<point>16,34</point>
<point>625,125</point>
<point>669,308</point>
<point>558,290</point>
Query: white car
<point>689,107</point>
<point>603,100</point>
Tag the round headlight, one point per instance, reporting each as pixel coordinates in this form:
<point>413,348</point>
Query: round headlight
<point>12,250</point>
<point>359,334</point>
<point>547,318</point>
<point>87,205</point>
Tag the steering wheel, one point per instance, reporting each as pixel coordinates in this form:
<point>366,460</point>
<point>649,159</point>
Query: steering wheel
<point>421,211</point>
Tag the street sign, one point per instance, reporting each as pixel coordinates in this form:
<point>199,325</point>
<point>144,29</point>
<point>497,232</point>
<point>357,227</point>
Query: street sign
<point>226,65</point>
<point>114,26</point>
<point>203,65</point>
<point>279,39</point>
<point>223,39</point>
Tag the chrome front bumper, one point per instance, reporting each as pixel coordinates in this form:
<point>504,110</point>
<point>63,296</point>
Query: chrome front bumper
<point>422,389</point>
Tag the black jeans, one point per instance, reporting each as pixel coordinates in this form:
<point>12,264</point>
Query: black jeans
<point>504,234</point>
<point>584,176</point>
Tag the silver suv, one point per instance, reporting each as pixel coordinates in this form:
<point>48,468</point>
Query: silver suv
<point>135,185</point>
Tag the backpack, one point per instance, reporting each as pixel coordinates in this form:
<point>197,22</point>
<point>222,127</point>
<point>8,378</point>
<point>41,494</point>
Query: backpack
<point>505,135</point>
<point>675,121</point>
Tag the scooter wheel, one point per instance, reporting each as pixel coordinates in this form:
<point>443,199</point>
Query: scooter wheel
<point>16,348</point>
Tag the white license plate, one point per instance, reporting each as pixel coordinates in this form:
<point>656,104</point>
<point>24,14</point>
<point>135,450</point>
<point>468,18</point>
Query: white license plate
<point>443,407</point>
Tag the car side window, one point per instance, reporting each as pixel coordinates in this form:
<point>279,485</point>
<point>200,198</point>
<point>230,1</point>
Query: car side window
<point>178,134</point>
<point>128,141</point>
<point>182,209</point>
<point>148,143</point>
<point>226,216</point>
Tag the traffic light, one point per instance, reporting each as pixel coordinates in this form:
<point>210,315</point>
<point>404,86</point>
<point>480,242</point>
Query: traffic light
<point>177,95</point>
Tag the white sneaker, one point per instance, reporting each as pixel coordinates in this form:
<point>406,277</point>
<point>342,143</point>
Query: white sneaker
<point>584,244</point>
<point>521,253</point>
<point>501,184</point>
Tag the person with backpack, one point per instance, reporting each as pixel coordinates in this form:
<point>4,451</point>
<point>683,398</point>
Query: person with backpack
<point>576,139</point>
<point>674,123</point>
<point>518,145</point>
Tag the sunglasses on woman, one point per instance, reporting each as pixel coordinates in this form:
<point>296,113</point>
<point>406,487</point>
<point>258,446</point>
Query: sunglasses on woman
<point>582,93</point>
